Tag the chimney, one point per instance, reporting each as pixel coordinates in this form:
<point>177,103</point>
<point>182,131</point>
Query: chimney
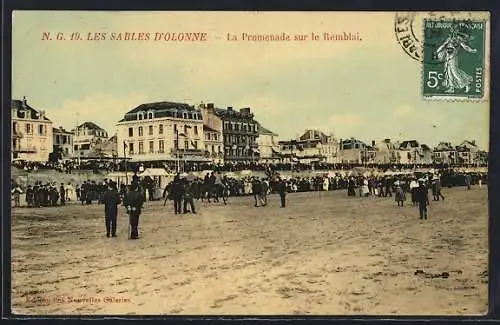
<point>373,143</point>
<point>230,108</point>
<point>473,142</point>
<point>387,140</point>
<point>210,105</point>
<point>245,110</point>
<point>341,144</point>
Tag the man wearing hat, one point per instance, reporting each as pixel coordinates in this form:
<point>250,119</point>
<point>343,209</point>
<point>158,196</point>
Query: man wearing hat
<point>413,190</point>
<point>282,191</point>
<point>422,199</point>
<point>133,202</point>
<point>436,188</point>
<point>176,193</point>
<point>111,199</point>
<point>188,196</point>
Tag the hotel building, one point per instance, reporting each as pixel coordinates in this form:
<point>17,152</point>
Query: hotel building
<point>162,131</point>
<point>240,133</point>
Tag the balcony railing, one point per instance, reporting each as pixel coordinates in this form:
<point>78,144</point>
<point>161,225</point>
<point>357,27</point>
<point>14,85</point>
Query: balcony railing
<point>187,151</point>
<point>25,149</point>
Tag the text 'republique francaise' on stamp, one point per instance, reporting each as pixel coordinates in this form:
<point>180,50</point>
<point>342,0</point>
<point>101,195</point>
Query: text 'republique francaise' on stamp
<point>454,59</point>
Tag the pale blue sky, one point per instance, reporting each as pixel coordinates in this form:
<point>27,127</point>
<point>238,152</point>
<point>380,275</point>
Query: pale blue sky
<point>368,89</point>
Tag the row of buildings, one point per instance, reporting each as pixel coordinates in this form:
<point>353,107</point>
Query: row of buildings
<point>174,132</point>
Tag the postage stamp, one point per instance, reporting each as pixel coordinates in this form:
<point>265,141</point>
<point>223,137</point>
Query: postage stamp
<point>454,59</point>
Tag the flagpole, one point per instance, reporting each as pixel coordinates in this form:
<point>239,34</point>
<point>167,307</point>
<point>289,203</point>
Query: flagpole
<point>126,166</point>
<point>177,150</point>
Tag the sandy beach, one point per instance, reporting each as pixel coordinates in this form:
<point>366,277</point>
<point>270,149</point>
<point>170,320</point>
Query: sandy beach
<point>323,254</point>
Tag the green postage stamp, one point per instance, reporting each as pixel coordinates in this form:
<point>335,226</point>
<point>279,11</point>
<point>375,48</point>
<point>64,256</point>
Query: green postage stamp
<point>454,59</point>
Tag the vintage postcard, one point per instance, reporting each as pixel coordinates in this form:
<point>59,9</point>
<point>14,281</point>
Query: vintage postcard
<point>250,163</point>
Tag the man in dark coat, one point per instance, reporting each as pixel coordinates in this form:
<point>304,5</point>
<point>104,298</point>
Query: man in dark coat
<point>30,196</point>
<point>422,199</point>
<point>133,202</point>
<point>256,191</point>
<point>62,194</point>
<point>111,199</point>
<point>176,193</point>
<point>281,186</point>
<point>188,197</point>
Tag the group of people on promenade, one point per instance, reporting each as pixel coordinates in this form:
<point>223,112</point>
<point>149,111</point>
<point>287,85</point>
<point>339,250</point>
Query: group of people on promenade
<point>108,165</point>
<point>43,195</point>
<point>183,191</point>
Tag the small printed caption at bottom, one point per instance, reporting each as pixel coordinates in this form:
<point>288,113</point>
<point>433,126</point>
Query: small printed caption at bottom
<point>45,300</point>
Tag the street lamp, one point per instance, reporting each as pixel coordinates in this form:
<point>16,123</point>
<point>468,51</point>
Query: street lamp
<point>177,145</point>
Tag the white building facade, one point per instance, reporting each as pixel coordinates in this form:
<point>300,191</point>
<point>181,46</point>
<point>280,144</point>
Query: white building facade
<point>268,146</point>
<point>31,133</point>
<point>213,135</point>
<point>162,131</point>
<point>86,137</point>
<point>63,142</point>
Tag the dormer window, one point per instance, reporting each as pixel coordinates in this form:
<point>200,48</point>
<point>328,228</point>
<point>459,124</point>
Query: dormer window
<point>150,115</point>
<point>140,115</point>
<point>184,115</point>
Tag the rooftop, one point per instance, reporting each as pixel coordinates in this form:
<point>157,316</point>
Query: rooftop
<point>209,129</point>
<point>263,130</point>
<point>90,126</point>
<point>164,109</point>
<point>159,106</point>
<point>19,105</point>
<point>61,130</point>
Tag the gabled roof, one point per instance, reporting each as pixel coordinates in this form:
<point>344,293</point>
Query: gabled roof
<point>91,126</point>
<point>469,144</point>
<point>263,130</point>
<point>409,144</point>
<point>313,135</point>
<point>444,146</point>
<point>18,105</point>
<point>61,130</point>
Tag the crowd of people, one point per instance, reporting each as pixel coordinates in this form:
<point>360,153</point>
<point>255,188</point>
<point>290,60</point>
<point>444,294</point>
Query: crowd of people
<point>215,186</point>
<point>110,165</point>
<point>185,189</point>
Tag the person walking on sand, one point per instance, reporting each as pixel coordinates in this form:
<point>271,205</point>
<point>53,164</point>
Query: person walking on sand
<point>436,189</point>
<point>111,199</point>
<point>282,191</point>
<point>62,194</point>
<point>422,199</point>
<point>399,194</point>
<point>413,190</point>
<point>188,197</point>
<point>467,181</point>
<point>263,191</point>
<point>176,193</point>
<point>133,202</point>
<point>256,191</point>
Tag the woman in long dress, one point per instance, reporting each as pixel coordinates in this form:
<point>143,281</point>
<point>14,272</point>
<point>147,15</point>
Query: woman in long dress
<point>364,188</point>
<point>454,77</point>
